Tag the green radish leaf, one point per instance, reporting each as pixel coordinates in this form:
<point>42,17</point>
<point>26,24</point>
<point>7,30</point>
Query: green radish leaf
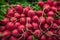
<point>34,38</point>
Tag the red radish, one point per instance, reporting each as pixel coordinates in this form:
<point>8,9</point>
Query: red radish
<point>10,26</point>
<point>46,8</point>
<point>51,13</point>
<point>39,13</point>
<point>41,4</point>
<point>26,9</point>
<point>35,25</point>
<point>54,9</point>
<point>17,15</point>
<point>49,2</point>
<point>19,8</point>
<point>25,34</point>
<point>49,38</point>
<point>42,20</point>
<point>12,38</point>
<point>31,13</point>
<point>22,15</point>
<point>35,18</point>
<point>22,20</point>
<point>13,19</point>
<point>37,33</point>
<point>28,19</point>
<point>58,21</point>
<point>15,33</point>
<point>45,26</point>
<point>49,19</point>
<point>6,33</point>
<point>58,8</point>
<point>29,26</point>
<point>55,3</point>
<point>43,37</point>
<point>30,37</point>
<point>5,20</point>
<point>10,12</point>
<point>17,24</point>
<point>21,28</point>
<point>49,33</point>
<point>2,28</point>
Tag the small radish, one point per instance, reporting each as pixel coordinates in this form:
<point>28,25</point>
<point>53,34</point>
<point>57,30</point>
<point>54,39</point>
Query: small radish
<point>17,15</point>
<point>12,38</point>
<point>5,20</point>
<point>49,38</point>
<point>10,12</point>
<point>43,37</point>
<point>15,33</point>
<point>31,13</point>
<point>30,37</point>
<point>39,13</point>
<point>42,20</point>
<point>21,28</point>
<point>2,28</point>
<point>54,9</point>
<point>41,4</point>
<point>17,24</point>
<point>55,3</point>
<point>22,15</point>
<point>29,26</point>
<point>58,21</point>
<point>28,19</point>
<point>49,19</point>
<point>26,9</point>
<point>10,26</point>
<point>58,32</point>
<point>22,20</point>
<point>13,19</point>
<point>49,33</point>
<point>35,18</point>
<point>6,33</point>
<point>37,33</point>
<point>51,13</point>
<point>19,8</point>
<point>35,25</point>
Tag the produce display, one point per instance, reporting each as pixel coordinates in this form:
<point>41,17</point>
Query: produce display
<point>27,24</point>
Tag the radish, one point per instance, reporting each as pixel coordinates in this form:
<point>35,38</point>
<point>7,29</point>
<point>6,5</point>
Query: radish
<point>58,32</point>
<point>21,28</point>
<point>29,26</point>
<point>19,8</point>
<point>49,38</point>
<point>49,19</point>
<point>30,37</point>
<point>15,33</point>
<point>17,15</point>
<point>37,33</point>
<point>43,37</point>
<point>49,33</point>
<point>41,4</point>
<point>10,12</point>
<point>5,20</point>
<point>31,13</point>
<point>55,3</point>
<point>10,26</point>
<point>22,20</point>
<point>35,18</point>
<point>2,28</point>
<point>35,26</point>
<point>13,19</point>
<point>12,38</point>
<point>23,15</point>
<point>58,21</point>
<point>51,13</point>
<point>6,33</point>
<point>39,13</point>
<point>54,9</point>
<point>26,9</point>
<point>17,24</point>
<point>42,20</point>
<point>28,19</point>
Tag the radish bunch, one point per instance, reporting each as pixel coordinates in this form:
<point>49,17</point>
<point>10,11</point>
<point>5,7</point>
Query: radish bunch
<point>24,23</point>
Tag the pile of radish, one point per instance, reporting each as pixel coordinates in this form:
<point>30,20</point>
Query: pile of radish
<point>24,23</point>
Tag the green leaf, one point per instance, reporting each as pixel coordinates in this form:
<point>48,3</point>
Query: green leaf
<point>34,38</point>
